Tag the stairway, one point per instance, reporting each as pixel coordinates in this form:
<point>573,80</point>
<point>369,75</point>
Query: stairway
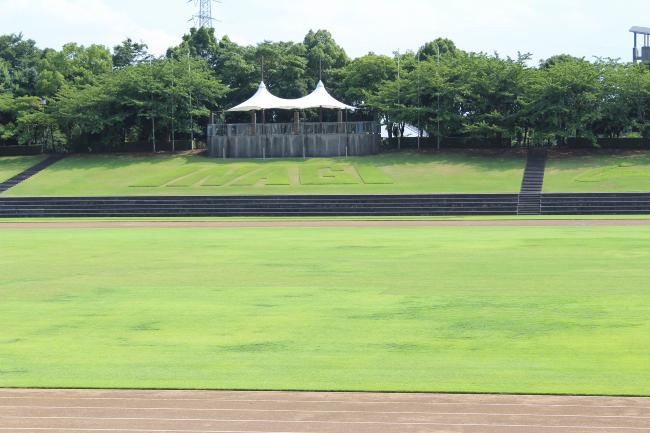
<point>21,177</point>
<point>530,196</point>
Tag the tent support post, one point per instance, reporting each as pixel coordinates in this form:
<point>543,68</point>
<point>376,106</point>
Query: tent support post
<point>253,122</point>
<point>339,120</point>
<point>296,122</point>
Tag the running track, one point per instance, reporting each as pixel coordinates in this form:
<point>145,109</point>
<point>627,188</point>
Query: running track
<point>76,411</point>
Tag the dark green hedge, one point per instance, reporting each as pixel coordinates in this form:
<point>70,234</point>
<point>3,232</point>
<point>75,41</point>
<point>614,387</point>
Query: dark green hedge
<point>20,150</point>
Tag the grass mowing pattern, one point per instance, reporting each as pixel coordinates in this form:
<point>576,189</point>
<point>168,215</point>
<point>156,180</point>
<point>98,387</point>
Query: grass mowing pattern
<point>409,173</point>
<point>223,175</point>
<point>191,179</point>
<point>373,175</point>
<point>10,166</point>
<point>272,176</point>
<point>469,309</point>
<point>164,178</point>
<point>599,173</point>
<point>622,169</point>
<point>336,174</point>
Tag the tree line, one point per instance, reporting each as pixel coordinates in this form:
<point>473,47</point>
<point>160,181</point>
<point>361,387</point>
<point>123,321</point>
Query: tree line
<point>93,97</point>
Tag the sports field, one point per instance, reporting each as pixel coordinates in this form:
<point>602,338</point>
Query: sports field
<point>599,172</point>
<point>462,309</point>
<point>404,173</point>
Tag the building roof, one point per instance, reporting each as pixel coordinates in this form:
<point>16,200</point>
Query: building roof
<point>265,100</point>
<point>640,30</point>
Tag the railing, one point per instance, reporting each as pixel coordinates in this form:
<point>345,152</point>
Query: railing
<point>243,129</point>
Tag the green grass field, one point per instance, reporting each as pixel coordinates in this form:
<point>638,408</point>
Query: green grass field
<point>623,172</point>
<point>404,173</point>
<point>13,165</point>
<point>509,309</point>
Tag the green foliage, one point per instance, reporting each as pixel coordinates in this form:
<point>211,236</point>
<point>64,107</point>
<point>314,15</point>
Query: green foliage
<point>98,99</point>
<point>126,100</point>
<point>323,50</point>
<point>129,53</point>
<point>363,77</point>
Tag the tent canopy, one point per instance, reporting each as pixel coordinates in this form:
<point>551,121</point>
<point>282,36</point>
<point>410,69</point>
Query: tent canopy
<point>320,98</point>
<point>264,100</point>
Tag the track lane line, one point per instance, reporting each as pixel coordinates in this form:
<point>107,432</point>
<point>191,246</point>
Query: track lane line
<point>333,402</point>
<point>486,425</point>
<point>307,412</point>
<point>331,422</point>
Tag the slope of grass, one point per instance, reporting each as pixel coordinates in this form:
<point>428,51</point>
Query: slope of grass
<point>13,165</point>
<point>184,175</point>
<point>527,310</point>
<point>624,172</point>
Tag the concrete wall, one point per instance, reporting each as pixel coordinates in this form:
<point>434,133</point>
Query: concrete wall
<point>293,146</point>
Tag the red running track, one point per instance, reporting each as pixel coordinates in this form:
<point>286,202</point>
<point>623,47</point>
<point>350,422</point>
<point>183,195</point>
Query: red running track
<point>84,411</point>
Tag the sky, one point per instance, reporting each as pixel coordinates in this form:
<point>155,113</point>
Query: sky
<point>584,28</point>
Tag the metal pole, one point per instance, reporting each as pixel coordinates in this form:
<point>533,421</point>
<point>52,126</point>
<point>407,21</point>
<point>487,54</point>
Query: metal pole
<point>419,124</point>
<point>189,69</point>
<point>173,109</point>
<point>153,120</point>
<point>399,79</point>
<point>438,114</point>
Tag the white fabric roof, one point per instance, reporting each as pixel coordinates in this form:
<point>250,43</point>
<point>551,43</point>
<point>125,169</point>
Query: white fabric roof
<point>264,100</point>
<point>320,98</point>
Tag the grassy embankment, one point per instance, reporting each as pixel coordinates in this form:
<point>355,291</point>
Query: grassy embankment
<point>405,173</point>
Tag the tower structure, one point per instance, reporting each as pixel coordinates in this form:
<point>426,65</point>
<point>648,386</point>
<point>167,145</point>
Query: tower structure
<point>204,17</point>
<point>644,56</point>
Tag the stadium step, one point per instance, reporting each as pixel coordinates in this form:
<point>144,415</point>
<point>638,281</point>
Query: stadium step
<point>398,205</point>
<point>530,196</point>
<point>385,205</point>
<point>21,177</point>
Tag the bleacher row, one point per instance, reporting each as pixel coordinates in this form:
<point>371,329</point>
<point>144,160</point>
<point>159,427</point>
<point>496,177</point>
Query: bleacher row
<point>319,205</point>
<point>287,206</point>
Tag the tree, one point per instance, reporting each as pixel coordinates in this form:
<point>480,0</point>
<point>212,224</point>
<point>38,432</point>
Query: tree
<point>129,53</point>
<point>444,47</point>
<point>22,120</point>
<point>199,42</point>
<point>122,104</point>
<point>322,49</point>
<point>76,64</point>
<point>565,100</point>
<point>19,64</point>
<point>364,76</point>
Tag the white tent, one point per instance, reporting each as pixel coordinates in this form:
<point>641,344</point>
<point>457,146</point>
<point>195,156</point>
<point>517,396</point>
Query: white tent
<point>320,98</point>
<point>264,100</point>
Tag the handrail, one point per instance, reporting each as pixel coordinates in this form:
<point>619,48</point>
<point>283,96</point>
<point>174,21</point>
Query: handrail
<point>303,128</point>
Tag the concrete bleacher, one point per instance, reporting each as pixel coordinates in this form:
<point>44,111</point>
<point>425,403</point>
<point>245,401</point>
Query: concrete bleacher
<point>364,205</point>
<point>596,204</point>
<point>318,205</point>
